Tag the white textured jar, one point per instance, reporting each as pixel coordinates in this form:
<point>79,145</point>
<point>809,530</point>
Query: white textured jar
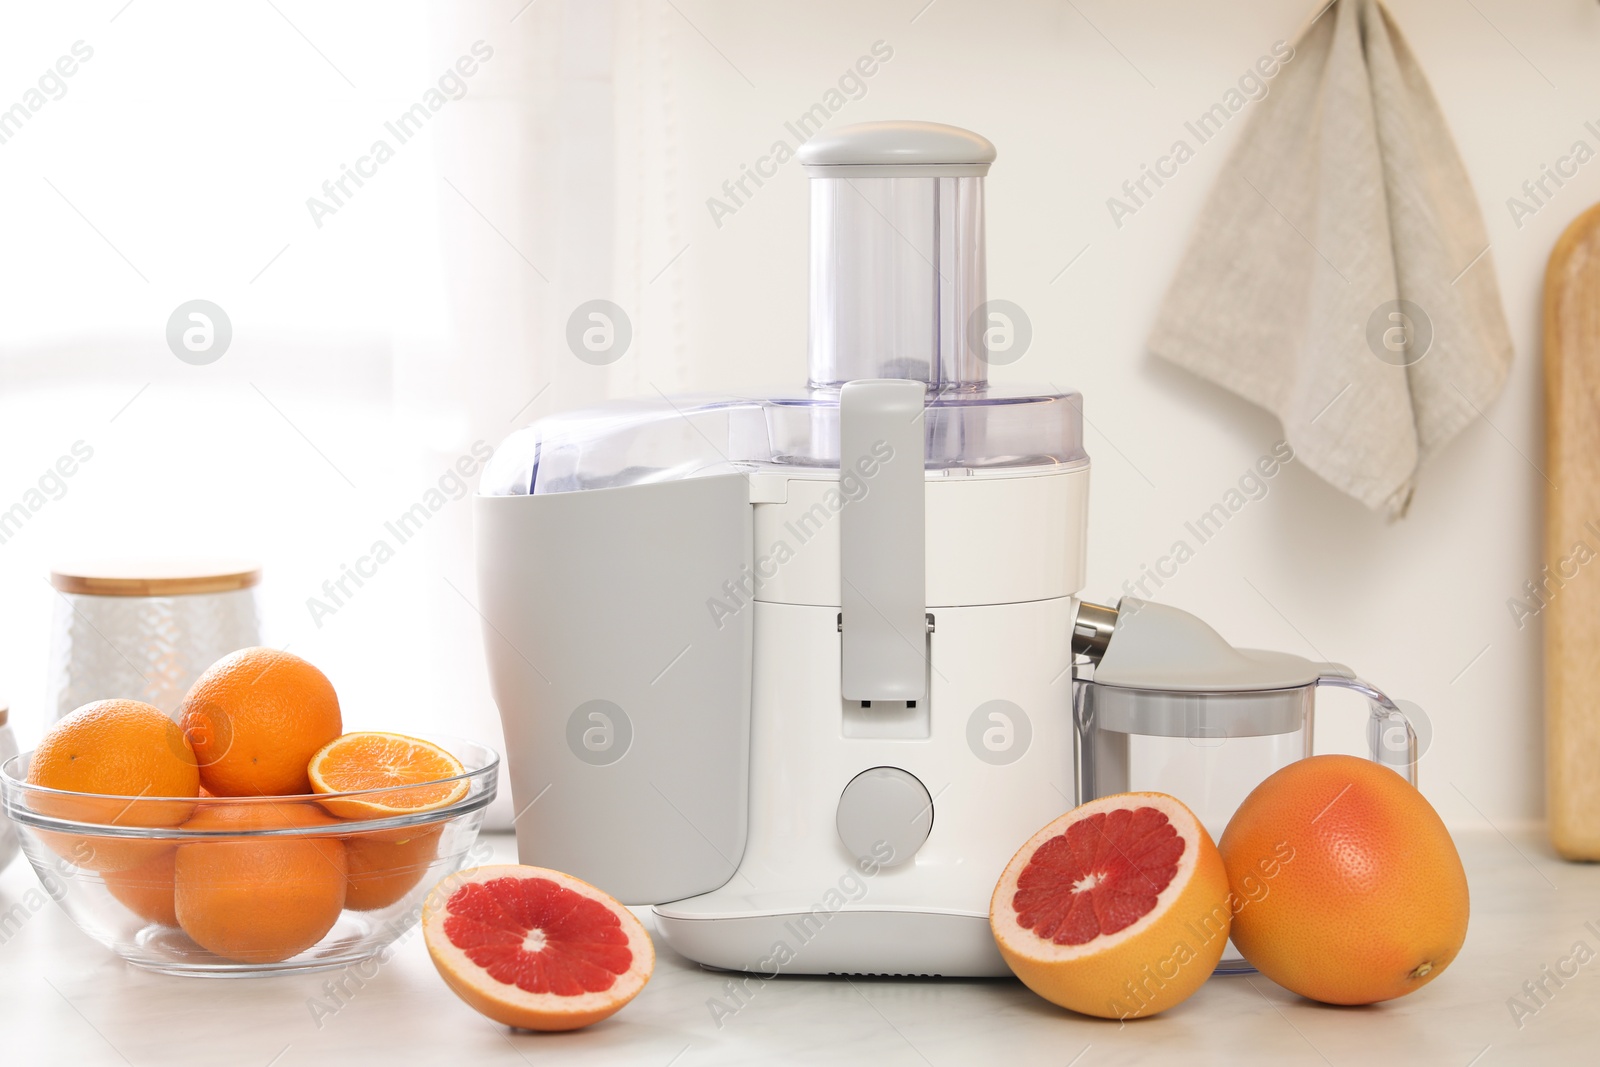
<point>146,630</point>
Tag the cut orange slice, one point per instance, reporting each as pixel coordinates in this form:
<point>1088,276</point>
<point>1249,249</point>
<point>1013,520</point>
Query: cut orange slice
<point>414,773</point>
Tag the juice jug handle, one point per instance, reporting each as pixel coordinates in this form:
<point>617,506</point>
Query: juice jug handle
<point>1391,739</point>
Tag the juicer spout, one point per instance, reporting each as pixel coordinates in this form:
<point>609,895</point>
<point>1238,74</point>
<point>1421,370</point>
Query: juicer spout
<point>1092,629</point>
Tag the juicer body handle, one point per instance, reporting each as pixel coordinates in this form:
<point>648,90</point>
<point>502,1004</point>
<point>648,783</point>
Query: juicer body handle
<point>1391,740</point>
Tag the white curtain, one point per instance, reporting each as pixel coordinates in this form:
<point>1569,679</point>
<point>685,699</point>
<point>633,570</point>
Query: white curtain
<point>569,152</point>
<point>373,345</point>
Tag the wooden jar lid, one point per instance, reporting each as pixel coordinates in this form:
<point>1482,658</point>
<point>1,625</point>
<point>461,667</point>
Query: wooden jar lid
<point>151,577</point>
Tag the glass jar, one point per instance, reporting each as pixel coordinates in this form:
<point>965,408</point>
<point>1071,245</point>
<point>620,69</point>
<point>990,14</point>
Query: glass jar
<point>146,630</point>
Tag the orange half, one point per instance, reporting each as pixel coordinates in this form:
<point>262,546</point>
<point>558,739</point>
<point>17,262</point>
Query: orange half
<point>408,768</point>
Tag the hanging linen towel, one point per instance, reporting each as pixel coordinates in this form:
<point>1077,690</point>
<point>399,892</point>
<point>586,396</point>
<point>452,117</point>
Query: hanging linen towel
<point>1339,275</point>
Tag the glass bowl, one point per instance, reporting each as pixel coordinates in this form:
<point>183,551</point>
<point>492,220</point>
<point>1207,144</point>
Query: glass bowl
<point>247,886</point>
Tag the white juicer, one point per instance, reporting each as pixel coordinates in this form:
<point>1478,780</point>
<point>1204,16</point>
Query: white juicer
<point>798,670</point>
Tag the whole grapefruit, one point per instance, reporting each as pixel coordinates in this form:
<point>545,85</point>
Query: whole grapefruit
<point>1348,888</point>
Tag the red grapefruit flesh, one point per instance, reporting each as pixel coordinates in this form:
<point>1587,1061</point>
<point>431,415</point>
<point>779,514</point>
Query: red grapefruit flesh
<point>535,948</point>
<point>1118,908</point>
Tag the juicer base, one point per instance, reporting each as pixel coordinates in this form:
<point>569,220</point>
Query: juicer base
<point>845,942</point>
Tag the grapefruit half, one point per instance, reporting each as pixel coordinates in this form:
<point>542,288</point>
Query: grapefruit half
<point>535,948</point>
<point>1118,908</point>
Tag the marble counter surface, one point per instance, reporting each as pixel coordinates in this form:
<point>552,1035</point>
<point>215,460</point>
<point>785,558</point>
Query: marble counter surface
<point>64,999</point>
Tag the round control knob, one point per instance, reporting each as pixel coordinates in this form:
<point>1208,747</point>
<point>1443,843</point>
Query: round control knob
<point>885,810</point>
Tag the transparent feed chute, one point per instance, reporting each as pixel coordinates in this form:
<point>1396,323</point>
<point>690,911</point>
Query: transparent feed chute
<point>897,291</point>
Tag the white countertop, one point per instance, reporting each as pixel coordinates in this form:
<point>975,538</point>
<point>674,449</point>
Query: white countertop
<point>64,999</point>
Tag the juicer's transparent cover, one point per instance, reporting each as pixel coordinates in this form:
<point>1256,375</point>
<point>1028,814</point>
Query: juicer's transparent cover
<point>633,442</point>
<point>898,290</point>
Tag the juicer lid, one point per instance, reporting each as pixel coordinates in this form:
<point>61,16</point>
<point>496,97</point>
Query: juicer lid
<point>898,149</point>
<point>1157,646</point>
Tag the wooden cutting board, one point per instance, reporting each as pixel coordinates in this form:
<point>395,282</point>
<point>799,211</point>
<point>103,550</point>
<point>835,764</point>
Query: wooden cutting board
<point>1572,515</point>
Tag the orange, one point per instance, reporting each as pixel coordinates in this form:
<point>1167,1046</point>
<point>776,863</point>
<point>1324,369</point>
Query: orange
<point>254,718</point>
<point>1118,908</point>
<point>147,890</point>
<point>1350,888</point>
<point>407,766</point>
<point>535,948</point>
<point>259,899</point>
<point>383,868</point>
<point>117,750</point>
<point>263,813</point>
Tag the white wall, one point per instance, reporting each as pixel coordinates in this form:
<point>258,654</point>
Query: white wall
<point>1305,569</point>
<point>410,325</point>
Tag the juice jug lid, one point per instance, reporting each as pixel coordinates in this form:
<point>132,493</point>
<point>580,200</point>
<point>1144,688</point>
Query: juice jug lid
<point>1160,647</point>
